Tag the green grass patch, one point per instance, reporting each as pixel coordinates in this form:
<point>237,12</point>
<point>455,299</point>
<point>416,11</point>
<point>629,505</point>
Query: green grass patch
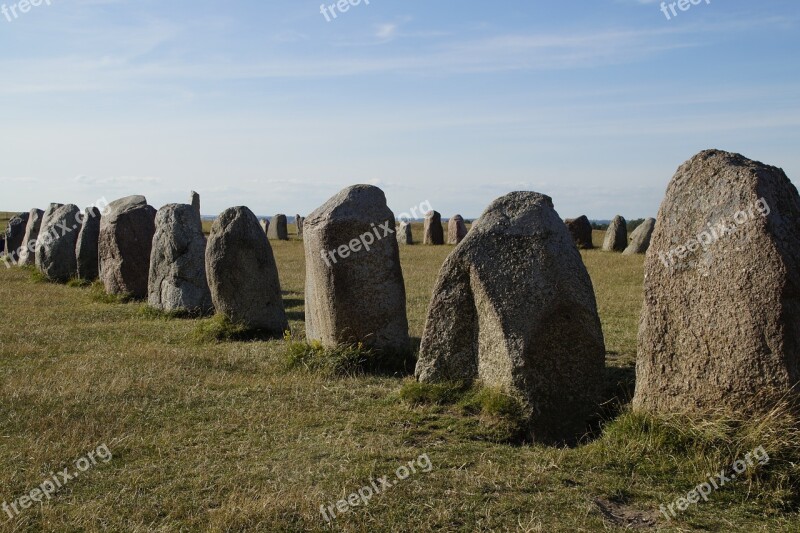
<point>483,413</point>
<point>99,294</point>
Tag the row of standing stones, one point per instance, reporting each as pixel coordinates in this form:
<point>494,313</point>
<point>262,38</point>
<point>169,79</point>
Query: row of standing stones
<point>513,306</point>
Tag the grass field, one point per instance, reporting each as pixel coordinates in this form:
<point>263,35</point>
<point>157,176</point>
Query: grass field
<point>224,437</point>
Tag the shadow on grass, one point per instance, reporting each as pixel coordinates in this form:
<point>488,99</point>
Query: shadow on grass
<point>220,328</point>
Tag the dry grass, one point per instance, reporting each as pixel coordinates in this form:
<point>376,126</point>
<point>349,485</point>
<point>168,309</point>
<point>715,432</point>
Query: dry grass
<point>224,437</point>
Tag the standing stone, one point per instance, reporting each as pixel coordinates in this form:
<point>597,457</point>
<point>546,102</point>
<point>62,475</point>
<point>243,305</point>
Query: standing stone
<point>27,254</point>
<point>86,248</point>
<point>177,279</point>
<point>124,245</point>
<point>514,308</point>
<point>264,225</point>
<point>15,234</point>
<point>616,236</point>
<point>456,230</point>
<point>196,202</point>
<point>720,324</point>
<point>640,238</point>
<point>298,221</point>
<point>55,247</point>
<point>242,273</point>
<point>354,285</point>
<point>404,236</point>
<point>581,230</point>
<point>433,232</point>
<point>277,229</point>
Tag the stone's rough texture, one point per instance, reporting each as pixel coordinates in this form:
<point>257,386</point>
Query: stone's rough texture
<point>195,201</point>
<point>581,230</point>
<point>242,273</point>
<point>126,239</point>
<point>177,262</point>
<point>721,323</point>
<point>358,295</point>
<point>277,230</point>
<point>616,236</point>
<point>433,232</point>
<point>298,221</point>
<point>640,238</point>
<point>404,235</point>
<point>15,234</point>
<point>55,249</point>
<point>456,230</point>
<point>514,307</point>
<point>86,247</point>
<point>27,256</point>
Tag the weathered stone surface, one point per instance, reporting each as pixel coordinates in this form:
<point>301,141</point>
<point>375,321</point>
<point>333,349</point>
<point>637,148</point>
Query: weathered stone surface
<point>404,235</point>
<point>514,307</point>
<point>354,284</point>
<point>433,231</point>
<point>124,245</point>
<point>242,273</point>
<point>581,230</point>
<point>27,253</point>
<point>721,318</point>
<point>616,236</point>
<point>640,237</point>
<point>298,221</point>
<point>86,249</point>
<point>456,230</point>
<point>277,229</point>
<point>177,279</point>
<point>55,247</point>
<point>15,234</point>
<point>195,201</point>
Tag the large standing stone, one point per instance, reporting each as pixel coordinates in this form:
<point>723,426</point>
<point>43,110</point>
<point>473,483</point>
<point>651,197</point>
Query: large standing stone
<point>55,248</point>
<point>27,253</point>
<point>86,248</point>
<point>177,279</point>
<point>456,230</point>
<point>721,318</point>
<point>404,235</point>
<point>15,234</point>
<point>195,201</point>
<point>640,237</point>
<point>581,230</point>
<point>514,307</point>
<point>354,285</point>
<point>616,236</point>
<point>298,221</point>
<point>433,231</point>
<point>126,239</point>
<point>277,229</point>
<point>242,273</point>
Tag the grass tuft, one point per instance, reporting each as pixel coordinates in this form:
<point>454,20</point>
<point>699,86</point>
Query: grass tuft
<point>220,328</point>
<point>99,294</point>
<point>485,413</point>
<point>343,360</point>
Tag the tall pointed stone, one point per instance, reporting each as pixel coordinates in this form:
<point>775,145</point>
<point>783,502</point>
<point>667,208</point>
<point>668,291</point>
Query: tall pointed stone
<point>433,231</point>
<point>514,308</point>
<point>27,254</point>
<point>86,249</point>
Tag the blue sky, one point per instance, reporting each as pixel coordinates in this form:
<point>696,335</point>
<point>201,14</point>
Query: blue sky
<point>267,104</point>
